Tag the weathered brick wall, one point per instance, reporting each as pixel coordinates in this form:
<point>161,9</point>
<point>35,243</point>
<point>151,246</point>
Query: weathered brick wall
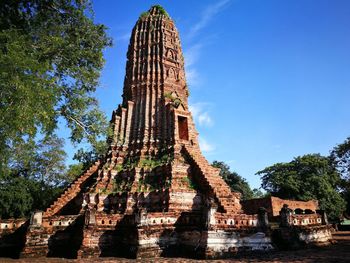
<point>10,225</point>
<point>275,204</point>
<point>252,206</point>
<point>231,221</point>
<point>308,219</point>
<point>302,236</point>
<point>56,236</point>
<point>12,236</point>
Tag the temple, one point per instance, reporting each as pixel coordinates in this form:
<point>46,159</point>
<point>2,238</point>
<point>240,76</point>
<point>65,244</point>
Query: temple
<point>153,193</point>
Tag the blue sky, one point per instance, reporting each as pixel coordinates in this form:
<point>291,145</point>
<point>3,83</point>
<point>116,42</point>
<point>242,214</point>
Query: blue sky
<point>269,80</point>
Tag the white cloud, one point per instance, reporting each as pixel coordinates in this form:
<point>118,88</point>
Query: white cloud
<point>205,119</point>
<point>192,77</point>
<point>200,112</point>
<point>206,147</point>
<point>124,37</point>
<point>193,52</point>
<point>195,109</point>
<point>208,13</point>
<point>191,56</point>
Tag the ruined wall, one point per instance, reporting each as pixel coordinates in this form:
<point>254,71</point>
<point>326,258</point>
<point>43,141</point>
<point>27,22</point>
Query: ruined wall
<point>223,244</point>
<point>252,206</point>
<point>12,236</point>
<point>306,219</point>
<point>277,204</point>
<point>56,236</point>
<point>11,225</point>
<point>274,205</point>
<point>302,236</point>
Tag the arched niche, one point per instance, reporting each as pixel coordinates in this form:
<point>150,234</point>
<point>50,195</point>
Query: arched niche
<point>172,73</point>
<point>298,211</point>
<point>171,54</point>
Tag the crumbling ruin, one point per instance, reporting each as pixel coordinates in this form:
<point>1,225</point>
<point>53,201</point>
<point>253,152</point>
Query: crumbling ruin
<point>154,193</point>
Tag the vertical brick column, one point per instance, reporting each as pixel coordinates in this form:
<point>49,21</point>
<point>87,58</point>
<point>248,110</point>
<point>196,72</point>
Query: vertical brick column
<point>128,122</point>
<point>116,129</point>
<point>122,128</point>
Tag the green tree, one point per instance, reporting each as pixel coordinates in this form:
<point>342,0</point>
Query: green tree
<point>50,61</point>
<point>15,196</point>
<point>35,175</point>
<point>41,160</point>
<point>257,193</point>
<point>234,180</point>
<point>311,176</point>
<point>74,170</point>
<point>340,156</point>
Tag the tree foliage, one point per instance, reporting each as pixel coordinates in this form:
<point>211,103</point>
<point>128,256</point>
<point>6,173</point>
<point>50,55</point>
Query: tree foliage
<point>51,55</point>
<point>42,161</point>
<point>257,193</point>
<point>34,176</point>
<point>74,170</point>
<point>234,180</point>
<point>340,156</point>
<point>307,177</point>
<point>50,60</point>
<point>15,196</point>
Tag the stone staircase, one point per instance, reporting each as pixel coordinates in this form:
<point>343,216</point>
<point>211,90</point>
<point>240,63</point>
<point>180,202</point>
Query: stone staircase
<point>103,179</point>
<point>72,191</point>
<point>210,177</point>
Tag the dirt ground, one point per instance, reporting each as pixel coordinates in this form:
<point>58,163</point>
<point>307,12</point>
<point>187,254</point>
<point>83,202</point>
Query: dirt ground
<point>338,252</point>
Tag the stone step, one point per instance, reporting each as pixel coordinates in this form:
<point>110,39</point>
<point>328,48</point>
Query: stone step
<point>72,190</point>
<point>212,179</point>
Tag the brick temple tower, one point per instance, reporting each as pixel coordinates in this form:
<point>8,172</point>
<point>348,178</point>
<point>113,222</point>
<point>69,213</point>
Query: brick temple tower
<point>154,137</point>
<point>153,193</point>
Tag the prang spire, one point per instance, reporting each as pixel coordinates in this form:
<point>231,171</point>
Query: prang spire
<point>154,163</point>
<point>154,86</point>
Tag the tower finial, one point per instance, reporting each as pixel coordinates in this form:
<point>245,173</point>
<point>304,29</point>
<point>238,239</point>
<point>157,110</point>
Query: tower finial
<point>155,10</point>
<point>158,10</point>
